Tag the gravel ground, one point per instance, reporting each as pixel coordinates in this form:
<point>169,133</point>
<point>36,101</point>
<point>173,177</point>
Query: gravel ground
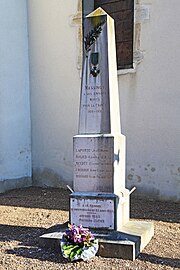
<point>25,214</point>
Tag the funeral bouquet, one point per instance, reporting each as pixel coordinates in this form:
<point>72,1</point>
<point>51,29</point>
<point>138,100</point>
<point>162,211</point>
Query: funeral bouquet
<point>78,243</point>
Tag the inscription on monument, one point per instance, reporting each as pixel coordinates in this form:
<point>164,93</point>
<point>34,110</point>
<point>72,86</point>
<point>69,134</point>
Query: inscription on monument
<point>99,147</point>
<point>95,101</point>
<point>94,213</point>
<point>93,163</point>
<point>94,114</point>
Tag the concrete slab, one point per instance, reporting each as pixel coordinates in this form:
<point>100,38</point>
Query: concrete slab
<point>143,229</point>
<point>124,244</point>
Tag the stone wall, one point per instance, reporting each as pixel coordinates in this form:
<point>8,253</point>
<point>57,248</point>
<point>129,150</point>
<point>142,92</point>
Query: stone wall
<point>149,94</point>
<point>149,105</point>
<point>55,89</point>
<point>15,132</point>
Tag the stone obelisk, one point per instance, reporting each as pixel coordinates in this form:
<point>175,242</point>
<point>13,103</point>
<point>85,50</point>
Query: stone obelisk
<point>99,147</point>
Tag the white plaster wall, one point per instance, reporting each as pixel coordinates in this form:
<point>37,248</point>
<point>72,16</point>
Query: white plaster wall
<point>55,85</point>
<point>15,146</point>
<point>149,97</point>
<point>150,104</point>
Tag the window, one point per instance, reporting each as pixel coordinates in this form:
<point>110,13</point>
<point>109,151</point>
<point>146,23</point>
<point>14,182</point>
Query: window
<point>122,11</point>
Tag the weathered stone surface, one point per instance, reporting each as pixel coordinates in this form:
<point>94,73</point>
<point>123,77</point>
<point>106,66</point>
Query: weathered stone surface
<point>100,210</point>
<point>9,184</point>
<point>99,104</point>
<point>93,163</point>
<point>94,210</point>
<point>99,163</point>
<point>123,249</point>
<point>143,229</point>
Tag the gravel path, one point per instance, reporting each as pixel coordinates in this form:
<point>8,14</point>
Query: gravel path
<point>26,213</point>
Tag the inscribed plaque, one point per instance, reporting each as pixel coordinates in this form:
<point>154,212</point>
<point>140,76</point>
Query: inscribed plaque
<point>93,163</point>
<point>93,212</point>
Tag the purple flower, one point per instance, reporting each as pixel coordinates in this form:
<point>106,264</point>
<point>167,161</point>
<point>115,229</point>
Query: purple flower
<point>78,235</point>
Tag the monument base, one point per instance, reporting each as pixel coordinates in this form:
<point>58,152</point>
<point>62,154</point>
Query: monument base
<point>100,211</point>
<point>125,244</point>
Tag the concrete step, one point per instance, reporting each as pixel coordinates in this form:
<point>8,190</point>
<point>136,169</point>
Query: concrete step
<point>124,244</point>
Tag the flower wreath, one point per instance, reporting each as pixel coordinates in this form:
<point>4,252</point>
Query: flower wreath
<point>78,243</point>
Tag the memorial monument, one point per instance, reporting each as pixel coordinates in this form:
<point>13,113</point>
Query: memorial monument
<point>100,200</point>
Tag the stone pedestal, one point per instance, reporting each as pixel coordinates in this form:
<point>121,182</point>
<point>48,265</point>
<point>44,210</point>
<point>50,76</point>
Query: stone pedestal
<point>99,163</point>
<point>99,210</point>
<point>99,167</point>
<point>125,244</point>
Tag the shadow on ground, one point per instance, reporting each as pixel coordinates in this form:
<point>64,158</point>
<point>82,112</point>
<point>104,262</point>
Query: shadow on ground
<point>20,233</point>
<point>159,260</point>
<point>28,243</point>
<point>58,199</point>
<point>146,208</point>
<point>34,197</point>
<point>28,247</point>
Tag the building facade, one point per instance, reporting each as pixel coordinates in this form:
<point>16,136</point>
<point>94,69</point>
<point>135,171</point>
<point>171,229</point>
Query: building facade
<point>40,71</point>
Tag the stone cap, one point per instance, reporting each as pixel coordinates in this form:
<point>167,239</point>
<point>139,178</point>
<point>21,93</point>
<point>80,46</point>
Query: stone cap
<point>100,195</point>
<point>98,12</point>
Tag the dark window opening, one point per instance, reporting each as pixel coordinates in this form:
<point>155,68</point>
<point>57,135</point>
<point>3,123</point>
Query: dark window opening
<point>122,11</point>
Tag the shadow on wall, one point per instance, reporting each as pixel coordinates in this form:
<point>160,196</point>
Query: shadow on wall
<point>48,178</point>
<point>9,184</point>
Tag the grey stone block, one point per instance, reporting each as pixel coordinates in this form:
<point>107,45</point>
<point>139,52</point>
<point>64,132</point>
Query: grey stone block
<point>125,244</point>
